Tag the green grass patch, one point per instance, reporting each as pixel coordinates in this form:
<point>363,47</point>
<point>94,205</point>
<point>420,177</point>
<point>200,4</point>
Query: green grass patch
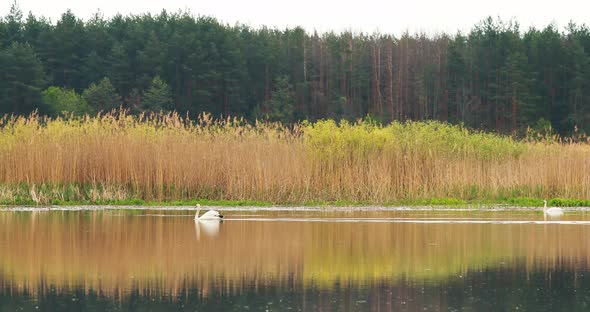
<point>561,202</point>
<point>77,195</point>
<point>434,202</point>
<point>141,202</point>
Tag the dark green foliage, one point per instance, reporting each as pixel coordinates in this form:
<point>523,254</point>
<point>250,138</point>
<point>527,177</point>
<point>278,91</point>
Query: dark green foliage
<point>102,97</point>
<point>157,97</point>
<point>21,80</point>
<point>12,26</point>
<point>495,77</point>
<point>67,49</point>
<point>280,105</point>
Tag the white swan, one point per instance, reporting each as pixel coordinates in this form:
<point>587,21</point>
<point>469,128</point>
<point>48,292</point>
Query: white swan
<point>209,215</point>
<point>552,211</point>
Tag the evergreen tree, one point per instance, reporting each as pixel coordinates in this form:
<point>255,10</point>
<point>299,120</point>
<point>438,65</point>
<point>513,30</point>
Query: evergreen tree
<point>21,80</point>
<point>458,103</point>
<point>68,48</point>
<point>518,91</point>
<point>152,59</point>
<point>13,26</point>
<point>120,73</point>
<point>578,69</point>
<point>495,77</point>
<point>158,96</point>
<point>280,105</point>
<point>93,68</point>
<point>99,43</point>
<point>102,97</point>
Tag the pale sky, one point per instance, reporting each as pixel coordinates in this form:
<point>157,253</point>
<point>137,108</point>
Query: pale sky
<point>392,17</point>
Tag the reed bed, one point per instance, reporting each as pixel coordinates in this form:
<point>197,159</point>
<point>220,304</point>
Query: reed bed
<point>171,157</point>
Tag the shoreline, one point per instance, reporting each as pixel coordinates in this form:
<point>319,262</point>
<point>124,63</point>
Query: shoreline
<point>501,204</point>
<point>358,208</point>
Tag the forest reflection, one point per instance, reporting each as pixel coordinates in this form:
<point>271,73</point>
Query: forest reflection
<point>121,255</point>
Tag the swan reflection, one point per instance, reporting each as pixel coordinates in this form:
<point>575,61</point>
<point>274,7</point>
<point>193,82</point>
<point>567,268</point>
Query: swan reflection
<point>209,228</point>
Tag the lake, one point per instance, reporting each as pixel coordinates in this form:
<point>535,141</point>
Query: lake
<point>304,260</point>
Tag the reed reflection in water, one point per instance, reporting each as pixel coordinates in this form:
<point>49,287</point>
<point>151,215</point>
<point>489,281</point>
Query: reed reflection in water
<point>169,259</point>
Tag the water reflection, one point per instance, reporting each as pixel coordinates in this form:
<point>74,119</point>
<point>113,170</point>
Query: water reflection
<point>209,228</point>
<point>149,260</point>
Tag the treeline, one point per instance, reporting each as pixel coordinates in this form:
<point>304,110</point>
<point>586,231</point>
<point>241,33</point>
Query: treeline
<point>495,77</point>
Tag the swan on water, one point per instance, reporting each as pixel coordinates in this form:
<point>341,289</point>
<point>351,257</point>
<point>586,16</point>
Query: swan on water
<point>552,211</point>
<point>209,215</point>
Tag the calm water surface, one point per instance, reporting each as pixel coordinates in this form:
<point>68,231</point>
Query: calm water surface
<point>153,260</point>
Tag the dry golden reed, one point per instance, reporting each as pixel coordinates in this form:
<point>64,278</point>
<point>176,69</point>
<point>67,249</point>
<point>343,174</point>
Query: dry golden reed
<point>168,157</point>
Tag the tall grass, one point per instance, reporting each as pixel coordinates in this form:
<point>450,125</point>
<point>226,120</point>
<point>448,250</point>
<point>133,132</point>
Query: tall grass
<point>170,157</point>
